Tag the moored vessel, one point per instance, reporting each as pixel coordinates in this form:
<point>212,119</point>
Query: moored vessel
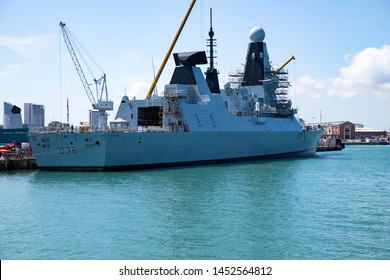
<point>192,122</point>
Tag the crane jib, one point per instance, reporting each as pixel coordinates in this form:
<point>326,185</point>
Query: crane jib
<point>97,100</point>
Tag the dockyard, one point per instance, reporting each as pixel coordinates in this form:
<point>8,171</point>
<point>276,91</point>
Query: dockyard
<point>16,156</point>
<point>16,163</point>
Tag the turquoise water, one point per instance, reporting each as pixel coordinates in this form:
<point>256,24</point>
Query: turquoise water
<point>334,205</point>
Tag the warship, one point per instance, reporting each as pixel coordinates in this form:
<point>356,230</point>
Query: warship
<point>193,121</point>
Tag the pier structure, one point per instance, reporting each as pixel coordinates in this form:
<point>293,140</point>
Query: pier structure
<point>17,163</point>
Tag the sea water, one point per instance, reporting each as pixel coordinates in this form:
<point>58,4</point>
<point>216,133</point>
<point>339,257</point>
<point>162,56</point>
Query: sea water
<point>334,205</point>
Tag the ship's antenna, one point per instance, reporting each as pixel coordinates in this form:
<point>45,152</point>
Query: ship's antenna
<point>67,110</point>
<point>212,73</point>
<point>154,77</point>
<point>211,41</point>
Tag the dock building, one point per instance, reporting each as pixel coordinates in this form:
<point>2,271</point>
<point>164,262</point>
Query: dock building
<point>346,130</point>
<point>34,115</point>
<point>12,117</point>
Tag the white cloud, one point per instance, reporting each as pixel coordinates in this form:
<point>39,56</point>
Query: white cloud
<point>367,73</point>
<point>26,54</point>
<point>28,47</point>
<point>307,86</point>
<point>139,90</point>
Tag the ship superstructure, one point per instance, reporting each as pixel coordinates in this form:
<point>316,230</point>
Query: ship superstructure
<point>192,122</point>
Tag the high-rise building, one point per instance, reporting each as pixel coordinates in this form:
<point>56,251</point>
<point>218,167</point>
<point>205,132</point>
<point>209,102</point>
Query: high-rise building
<point>34,115</point>
<point>12,117</point>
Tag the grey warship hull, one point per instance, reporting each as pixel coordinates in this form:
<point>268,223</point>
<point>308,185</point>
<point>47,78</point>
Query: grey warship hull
<point>120,150</point>
<point>193,122</point>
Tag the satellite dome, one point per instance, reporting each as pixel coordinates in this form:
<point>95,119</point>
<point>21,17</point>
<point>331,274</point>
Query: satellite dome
<point>256,34</point>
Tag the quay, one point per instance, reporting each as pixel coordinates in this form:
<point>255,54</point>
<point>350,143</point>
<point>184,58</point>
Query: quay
<point>17,163</point>
<point>380,142</point>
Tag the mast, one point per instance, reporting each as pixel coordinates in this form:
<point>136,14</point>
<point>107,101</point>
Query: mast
<point>67,110</point>
<point>212,73</point>
<point>211,41</point>
<point>170,50</point>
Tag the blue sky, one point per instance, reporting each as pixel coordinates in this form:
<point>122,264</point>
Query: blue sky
<point>342,50</point>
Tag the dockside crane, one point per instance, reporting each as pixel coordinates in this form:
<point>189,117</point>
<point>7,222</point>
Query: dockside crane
<point>283,65</point>
<point>165,60</point>
<point>99,100</point>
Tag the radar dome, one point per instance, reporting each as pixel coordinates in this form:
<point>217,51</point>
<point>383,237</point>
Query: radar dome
<point>256,34</point>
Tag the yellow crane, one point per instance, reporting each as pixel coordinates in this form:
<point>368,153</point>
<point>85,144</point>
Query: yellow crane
<point>283,65</point>
<point>170,50</point>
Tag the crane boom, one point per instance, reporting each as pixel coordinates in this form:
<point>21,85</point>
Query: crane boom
<point>170,50</point>
<point>76,63</point>
<point>283,65</point>
<point>97,118</point>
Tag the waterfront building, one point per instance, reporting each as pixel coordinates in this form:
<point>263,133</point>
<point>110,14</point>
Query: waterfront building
<point>370,133</point>
<point>34,115</point>
<point>95,119</point>
<point>344,130</point>
<point>12,116</point>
